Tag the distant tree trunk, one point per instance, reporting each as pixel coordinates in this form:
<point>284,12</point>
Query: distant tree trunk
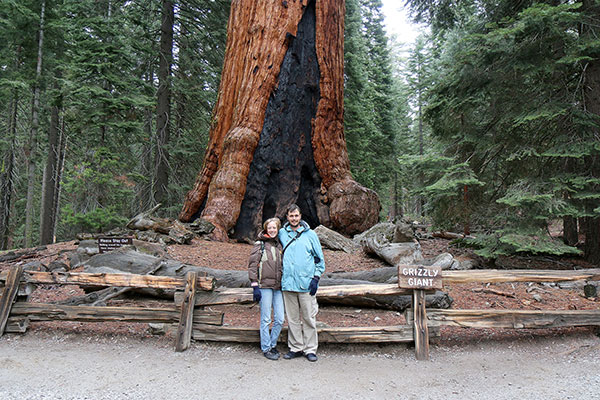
<point>163,114</point>
<point>31,146</point>
<point>7,167</point>
<point>277,131</point>
<point>570,234</point>
<point>62,149</point>
<point>591,93</point>
<point>145,199</point>
<point>395,209</point>
<point>52,170</point>
<point>570,231</point>
<point>50,183</point>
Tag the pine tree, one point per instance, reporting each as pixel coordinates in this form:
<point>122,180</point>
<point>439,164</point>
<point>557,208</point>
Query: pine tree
<point>506,105</point>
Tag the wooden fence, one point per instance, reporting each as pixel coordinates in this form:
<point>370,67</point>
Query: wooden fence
<point>194,292</point>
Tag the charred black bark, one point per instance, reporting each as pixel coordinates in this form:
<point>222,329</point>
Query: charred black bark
<point>284,156</point>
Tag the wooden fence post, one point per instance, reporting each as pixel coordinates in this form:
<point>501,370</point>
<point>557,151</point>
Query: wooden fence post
<point>8,296</point>
<point>421,332</point>
<point>184,330</point>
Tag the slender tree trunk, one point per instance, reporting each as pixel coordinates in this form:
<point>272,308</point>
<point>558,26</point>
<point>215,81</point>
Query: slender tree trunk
<point>62,149</point>
<point>50,183</point>
<point>8,165</point>
<point>31,147</point>
<point>393,212</point>
<point>51,178</point>
<point>146,199</point>
<point>420,204</point>
<point>163,113</point>
<point>6,173</point>
<point>277,133</point>
<point>570,233</point>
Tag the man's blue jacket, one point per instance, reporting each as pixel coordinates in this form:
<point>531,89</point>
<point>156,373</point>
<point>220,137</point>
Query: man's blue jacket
<point>303,258</point>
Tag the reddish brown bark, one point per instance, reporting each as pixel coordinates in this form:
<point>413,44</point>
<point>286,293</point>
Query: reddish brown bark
<point>259,35</point>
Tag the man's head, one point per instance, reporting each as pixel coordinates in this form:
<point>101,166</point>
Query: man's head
<point>294,216</point>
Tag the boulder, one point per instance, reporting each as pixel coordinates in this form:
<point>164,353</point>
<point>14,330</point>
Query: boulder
<point>353,208</point>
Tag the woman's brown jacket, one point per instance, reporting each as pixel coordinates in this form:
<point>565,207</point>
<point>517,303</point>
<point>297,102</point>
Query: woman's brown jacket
<point>265,263</point>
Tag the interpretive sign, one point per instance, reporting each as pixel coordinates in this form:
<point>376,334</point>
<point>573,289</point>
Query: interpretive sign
<point>419,277</point>
<point>111,243</point>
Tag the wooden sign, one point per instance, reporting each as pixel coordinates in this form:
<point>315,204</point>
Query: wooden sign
<point>111,243</point>
<point>419,277</point>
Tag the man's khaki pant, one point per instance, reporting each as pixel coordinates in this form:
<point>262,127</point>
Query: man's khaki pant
<point>301,311</point>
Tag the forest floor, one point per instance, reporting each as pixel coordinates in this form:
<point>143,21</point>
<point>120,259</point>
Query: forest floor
<point>496,351</point>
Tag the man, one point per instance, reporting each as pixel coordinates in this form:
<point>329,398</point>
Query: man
<point>303,265</point>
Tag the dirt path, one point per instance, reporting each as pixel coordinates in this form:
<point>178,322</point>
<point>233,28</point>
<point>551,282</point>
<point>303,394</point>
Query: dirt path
<point>68,366</point>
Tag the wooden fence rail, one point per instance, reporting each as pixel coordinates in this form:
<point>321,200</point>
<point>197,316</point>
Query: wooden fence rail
<point>200,291</point>
<point>23,312</point>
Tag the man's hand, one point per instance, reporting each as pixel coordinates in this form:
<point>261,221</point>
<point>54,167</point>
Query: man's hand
<point>256,295</point>
<point>314,285</point>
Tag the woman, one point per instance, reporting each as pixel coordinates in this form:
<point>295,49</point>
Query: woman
<point>264,271</point>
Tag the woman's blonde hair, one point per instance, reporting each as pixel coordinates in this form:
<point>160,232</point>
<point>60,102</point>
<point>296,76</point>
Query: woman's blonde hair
<point>274,219</point>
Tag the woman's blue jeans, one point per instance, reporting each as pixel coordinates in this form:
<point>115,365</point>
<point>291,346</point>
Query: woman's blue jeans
<point>271,299</point>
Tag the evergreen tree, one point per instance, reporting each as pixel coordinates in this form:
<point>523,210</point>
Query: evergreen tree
<point>374,106</point>
<point>506,105</point>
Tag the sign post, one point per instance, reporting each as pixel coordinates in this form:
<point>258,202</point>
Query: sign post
<point>106,244</point>
<point>420,278</point>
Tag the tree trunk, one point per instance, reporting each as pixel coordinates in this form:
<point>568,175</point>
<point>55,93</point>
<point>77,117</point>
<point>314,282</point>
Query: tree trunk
<point>277,132</point>
<point>31,146</point>
<point>163,114</point>
<point>145,199</point>
<point>62,149</point>
<point>6,173</point>
<point>570,232</point>
<point>570,235</point>
<point>50,183</point>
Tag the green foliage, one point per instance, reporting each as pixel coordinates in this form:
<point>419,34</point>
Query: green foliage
<point>503,101</point>
<point>506,243</point>
<point>98,193</point>
<point>97,220</point>
<point>373,104</point>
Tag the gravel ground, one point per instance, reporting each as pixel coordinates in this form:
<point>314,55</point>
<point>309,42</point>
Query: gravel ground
<point>72,366</point>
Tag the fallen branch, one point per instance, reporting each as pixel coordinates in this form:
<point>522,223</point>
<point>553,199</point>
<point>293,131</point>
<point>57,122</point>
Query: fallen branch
<point>451,235</point>
<point>493,291</point>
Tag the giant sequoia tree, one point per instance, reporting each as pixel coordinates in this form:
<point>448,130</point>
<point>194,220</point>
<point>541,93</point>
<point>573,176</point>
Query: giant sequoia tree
<point>277,132</point>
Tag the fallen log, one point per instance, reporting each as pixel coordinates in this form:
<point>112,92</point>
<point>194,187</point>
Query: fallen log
<point>104,295</point>
<point>173,228</point>
<point>365,295</point>
<point>122,279</point>
<point>128,260</point>
<point>332,240</point>
<point>391,244</point>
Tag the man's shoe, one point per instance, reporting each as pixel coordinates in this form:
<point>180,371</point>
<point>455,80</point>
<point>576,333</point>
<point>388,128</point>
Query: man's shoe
<point>274,350</point>
<point>271,355</point>
<point>312,357</point>
<point>292,354</point>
